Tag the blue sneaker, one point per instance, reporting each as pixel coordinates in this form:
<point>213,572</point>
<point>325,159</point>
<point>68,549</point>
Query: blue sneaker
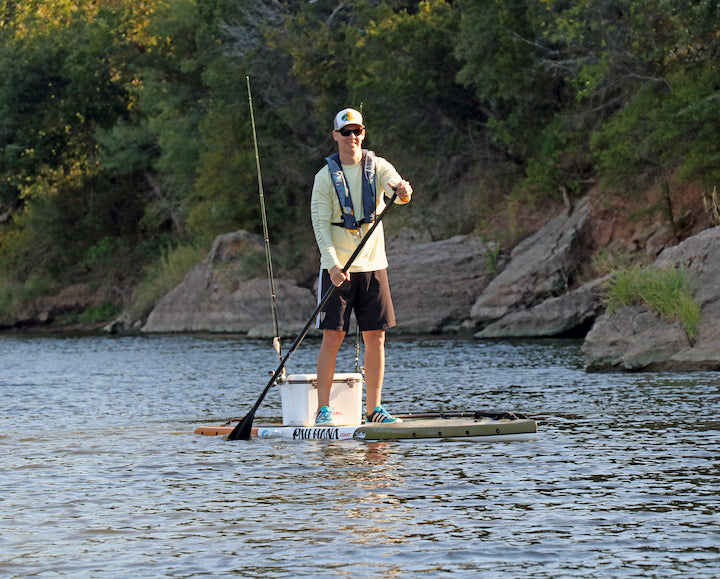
<point>381,415</point>
<point>324,417</point>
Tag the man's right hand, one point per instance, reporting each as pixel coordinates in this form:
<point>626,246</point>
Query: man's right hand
<point>337,277</point>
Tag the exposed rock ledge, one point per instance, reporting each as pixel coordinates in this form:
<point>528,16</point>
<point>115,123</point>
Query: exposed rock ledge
<point>216,296</point>
<point>463,284</point>
<point>434,286</point>
<point>438,287</point>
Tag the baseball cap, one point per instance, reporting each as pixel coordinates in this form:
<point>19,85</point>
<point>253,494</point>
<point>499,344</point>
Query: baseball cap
<point>348,117</point>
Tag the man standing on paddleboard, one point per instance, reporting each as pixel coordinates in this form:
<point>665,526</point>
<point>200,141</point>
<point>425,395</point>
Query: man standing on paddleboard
<point>348,193</point>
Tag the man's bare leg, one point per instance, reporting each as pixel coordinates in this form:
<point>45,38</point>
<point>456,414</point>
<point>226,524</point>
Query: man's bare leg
<point>374,367</point>
<point>331,342</point>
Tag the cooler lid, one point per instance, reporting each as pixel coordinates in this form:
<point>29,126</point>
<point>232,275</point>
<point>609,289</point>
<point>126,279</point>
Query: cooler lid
<point>306,378</point>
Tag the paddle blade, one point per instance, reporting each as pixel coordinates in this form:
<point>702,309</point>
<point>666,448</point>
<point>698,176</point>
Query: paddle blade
<point>244,428</point>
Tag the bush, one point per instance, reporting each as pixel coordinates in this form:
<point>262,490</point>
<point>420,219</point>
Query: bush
<point>15,294</point>
<point>104,312</point>
<point>670,293</point>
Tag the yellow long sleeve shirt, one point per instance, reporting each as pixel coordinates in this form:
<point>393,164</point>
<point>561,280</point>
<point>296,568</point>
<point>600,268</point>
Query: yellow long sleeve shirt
<point>336,243</point>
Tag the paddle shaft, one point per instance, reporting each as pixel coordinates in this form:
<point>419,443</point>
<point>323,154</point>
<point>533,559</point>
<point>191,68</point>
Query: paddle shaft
<point>244,428</point>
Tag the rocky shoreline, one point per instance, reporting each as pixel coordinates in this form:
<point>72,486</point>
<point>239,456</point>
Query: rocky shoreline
<point>545,287</point>
<point>465,285</point>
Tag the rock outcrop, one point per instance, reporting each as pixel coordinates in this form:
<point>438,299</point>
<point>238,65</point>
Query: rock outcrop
<point>567,316</point>
<point>634,338</point>
<point>216,296</point>
<point>462,284</point>
<point>540,268</point>
<point>438,287</point>
<point>434,284</point>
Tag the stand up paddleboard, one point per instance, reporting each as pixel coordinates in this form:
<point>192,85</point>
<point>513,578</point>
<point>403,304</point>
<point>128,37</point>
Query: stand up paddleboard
<point>478,426</point>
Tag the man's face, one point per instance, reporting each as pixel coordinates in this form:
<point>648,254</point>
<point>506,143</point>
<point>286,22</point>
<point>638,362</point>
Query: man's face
<point>349,137</point>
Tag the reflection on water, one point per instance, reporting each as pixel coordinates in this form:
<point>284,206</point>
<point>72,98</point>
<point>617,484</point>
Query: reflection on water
<point>102,476</point>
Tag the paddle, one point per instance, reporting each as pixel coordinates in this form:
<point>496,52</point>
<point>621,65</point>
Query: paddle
<point>244,428</point>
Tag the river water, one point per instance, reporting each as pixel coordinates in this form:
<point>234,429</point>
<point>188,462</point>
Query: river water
<point>102,476</point>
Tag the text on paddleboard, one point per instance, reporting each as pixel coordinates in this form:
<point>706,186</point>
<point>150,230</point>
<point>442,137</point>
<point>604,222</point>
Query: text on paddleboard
<point>324,433</point>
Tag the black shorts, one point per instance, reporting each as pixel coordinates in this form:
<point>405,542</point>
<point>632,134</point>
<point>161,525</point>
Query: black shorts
<point>365,293</point>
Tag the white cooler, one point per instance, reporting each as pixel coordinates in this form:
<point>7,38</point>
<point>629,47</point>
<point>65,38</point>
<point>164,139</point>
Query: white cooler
<point>300,399</point>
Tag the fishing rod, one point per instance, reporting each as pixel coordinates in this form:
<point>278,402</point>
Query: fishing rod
<point>268,258</point>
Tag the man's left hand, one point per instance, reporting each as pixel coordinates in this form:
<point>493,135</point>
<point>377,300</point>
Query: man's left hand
<point>404,191</point>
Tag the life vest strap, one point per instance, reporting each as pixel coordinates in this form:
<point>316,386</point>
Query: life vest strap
<point>369,196</point>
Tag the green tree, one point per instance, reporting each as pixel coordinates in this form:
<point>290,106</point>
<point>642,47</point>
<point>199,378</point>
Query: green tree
<point>503,52</point>
<point>670,118</point>
<point>57,90</point>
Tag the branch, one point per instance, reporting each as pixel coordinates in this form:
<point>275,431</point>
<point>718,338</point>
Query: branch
<point>5,217</point>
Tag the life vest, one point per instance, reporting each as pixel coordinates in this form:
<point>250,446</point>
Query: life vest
<point>343,192</point>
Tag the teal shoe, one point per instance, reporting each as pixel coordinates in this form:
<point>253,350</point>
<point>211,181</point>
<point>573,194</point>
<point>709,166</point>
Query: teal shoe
<point>324,417</point>
<point>381,415</point>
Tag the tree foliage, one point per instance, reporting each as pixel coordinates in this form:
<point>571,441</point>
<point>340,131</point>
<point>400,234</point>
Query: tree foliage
<point>125,126</point>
